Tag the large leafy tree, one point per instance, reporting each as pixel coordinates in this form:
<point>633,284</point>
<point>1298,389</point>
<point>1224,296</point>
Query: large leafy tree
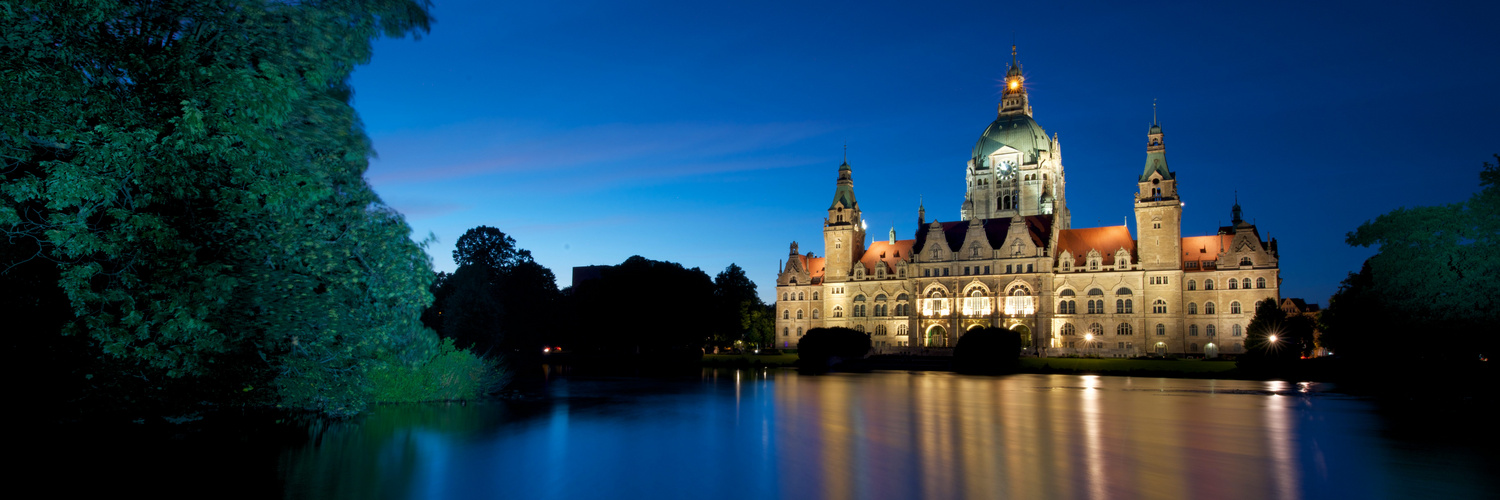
<point>195,171</point>
<point>735,306</point>
<point>1435,269</point>
<point>499,301</point>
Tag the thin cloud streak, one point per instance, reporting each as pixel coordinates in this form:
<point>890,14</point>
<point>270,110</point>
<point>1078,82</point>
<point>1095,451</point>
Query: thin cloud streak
<point>622,151</point>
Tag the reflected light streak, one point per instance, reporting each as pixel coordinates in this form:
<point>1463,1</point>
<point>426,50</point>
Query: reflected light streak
<point>1281,436</point>
<point>1093,444</point>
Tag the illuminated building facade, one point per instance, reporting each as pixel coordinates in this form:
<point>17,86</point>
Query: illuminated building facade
<point>1014,260</point>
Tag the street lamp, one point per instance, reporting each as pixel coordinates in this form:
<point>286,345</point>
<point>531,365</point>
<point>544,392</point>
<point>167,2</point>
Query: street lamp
<point>1088,340</point>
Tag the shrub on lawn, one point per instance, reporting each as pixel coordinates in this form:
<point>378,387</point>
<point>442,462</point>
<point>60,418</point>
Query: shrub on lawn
<point>987,351</point>
<point>822,348</point>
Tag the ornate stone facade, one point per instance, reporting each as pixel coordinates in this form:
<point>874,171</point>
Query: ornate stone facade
<point>1013,260</point>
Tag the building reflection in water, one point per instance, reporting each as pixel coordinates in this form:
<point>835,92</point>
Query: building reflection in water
<point>938,435</point>
<point>759,434</point>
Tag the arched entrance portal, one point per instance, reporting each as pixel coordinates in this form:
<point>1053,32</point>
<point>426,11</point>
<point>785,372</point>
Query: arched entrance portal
<point>936,337</point>
<point>1025,334</point>
<point>1161,348</point>
<point>1211,351</point>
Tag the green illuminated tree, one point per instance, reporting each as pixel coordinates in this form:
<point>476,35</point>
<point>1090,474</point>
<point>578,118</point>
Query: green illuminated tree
<point>196,172</point>
<point>1434,272</point>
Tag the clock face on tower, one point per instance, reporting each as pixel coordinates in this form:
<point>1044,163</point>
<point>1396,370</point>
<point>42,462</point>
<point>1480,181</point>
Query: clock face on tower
<point>1006,170</point>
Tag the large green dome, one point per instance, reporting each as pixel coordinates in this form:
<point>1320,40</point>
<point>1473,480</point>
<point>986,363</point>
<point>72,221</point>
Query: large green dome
<point>1018,131</point>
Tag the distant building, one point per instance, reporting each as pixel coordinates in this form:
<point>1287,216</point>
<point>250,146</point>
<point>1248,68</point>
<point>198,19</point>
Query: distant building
<point>1013,259</point>
<point>1299,307</point>
<point>587,273</point>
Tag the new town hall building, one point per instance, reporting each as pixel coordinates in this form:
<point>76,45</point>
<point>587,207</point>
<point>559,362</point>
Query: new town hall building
<point>1014,260</point>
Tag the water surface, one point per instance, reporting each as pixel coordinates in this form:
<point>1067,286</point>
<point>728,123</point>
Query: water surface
<point>776,434</point>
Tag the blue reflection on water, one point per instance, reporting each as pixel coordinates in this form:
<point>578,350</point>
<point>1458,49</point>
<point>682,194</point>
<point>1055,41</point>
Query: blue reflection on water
<point>775,434</point>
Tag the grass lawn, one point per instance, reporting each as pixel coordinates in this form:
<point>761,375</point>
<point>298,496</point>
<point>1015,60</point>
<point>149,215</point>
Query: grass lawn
<point>1114,366</point>
<point>750,359</point>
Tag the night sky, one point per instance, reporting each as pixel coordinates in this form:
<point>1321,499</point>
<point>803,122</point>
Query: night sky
<point>707,133</point>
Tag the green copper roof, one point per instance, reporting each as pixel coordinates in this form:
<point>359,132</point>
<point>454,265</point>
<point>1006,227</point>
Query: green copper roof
<point>1017,131</point>
<point>1156,162</point>
<point>845,191</point>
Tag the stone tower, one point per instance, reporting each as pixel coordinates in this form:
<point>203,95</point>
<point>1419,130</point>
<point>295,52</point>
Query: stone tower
<point>1158,210</point>
<point>843,230</point>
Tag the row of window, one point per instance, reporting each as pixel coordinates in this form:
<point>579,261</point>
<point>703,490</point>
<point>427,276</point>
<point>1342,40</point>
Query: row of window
<point>1096,306</point>
<point>858,311</point>
<point>880,330</point>
<point>1233,284</point>
<point>1208,308</point>
<point>1208,284</point>
<point>1096,329</point>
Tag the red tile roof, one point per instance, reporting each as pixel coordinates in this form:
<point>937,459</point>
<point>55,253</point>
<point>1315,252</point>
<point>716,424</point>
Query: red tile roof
<point>1202,248</point>
<point>1106,240</point>
<point>883,252</point>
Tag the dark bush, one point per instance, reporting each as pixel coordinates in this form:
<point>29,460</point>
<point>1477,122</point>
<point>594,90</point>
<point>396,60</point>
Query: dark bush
<point>987,351</point>
<point>823,348</point>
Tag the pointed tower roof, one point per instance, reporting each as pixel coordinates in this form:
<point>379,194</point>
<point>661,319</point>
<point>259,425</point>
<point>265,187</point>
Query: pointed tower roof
<point>844,193</point>
<point>1156,151</point>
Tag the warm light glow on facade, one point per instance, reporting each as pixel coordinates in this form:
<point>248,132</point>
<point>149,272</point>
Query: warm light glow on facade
<point>938,306</point>
<point>976,304</point>
<point>1019,306</point>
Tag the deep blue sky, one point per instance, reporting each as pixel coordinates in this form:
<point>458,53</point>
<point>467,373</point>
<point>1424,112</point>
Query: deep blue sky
<point>707,133</point>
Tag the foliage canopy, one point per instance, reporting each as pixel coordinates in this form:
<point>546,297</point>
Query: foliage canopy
<point>195,171</point>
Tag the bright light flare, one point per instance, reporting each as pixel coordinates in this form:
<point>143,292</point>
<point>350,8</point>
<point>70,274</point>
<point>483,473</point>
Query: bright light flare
<point>1272,339</point>
<point>1014,84</point>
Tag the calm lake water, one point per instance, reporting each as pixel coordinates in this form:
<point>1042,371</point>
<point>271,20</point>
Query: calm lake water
<point>758,434</point>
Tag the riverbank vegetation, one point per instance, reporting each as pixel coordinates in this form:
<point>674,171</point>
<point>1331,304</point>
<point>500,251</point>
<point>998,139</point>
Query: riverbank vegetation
<point>186,217</point>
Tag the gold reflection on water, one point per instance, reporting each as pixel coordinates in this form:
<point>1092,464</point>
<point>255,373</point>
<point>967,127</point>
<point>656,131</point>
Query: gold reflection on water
<point>938,435</point>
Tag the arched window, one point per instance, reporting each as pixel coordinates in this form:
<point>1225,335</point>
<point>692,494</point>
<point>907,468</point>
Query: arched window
<point>801,295</point>
<point>1161,329</point>
<point>1260,282</point>
<point>1192,330</point>
<point>1129,307</point>
<point>900,329</point>
<point>859,328</point>
<point>1245,283</point>
<point>1096,329</point>
<point>1119,306</point>
<point>1234,307</point>
<point>837,244</point>
<point>1208,308</point>
<point>1092,308</point>
<point>786,332</point>
<point>1236,331</point>
<point>1192,284</point>
<point>1208,284</point>
<point>1233,284</point>
<point>838,311</point>
<point>815,295</point>
<point>1192,308</point>
<point>1210,330</point>
<point>1124,329</point>
<point>799,331</point>
<point>1067,329</point>
<point>815,314</point>
<point>786,314</point>
<point>1159,307</point>
<point>880,331</point>
<point>799,314</point>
